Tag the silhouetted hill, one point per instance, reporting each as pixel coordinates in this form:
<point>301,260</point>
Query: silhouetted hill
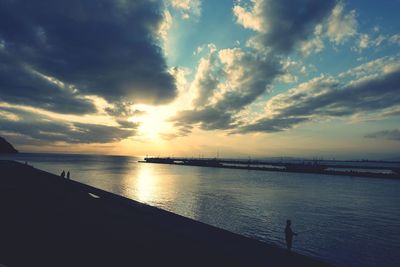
<point>6,147</point>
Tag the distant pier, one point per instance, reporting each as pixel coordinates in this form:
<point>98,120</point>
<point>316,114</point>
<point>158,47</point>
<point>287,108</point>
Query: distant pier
<point>316,167</point>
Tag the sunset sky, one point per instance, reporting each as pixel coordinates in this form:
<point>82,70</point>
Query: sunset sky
<point>304,78</point>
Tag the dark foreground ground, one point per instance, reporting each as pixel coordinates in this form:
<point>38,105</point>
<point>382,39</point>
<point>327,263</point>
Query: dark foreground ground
<point>48,221</point>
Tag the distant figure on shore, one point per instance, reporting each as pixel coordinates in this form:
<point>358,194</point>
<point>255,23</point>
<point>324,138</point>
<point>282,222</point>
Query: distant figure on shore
<point>289,235</point>
<point>68,176</point>
<point>63,174</point>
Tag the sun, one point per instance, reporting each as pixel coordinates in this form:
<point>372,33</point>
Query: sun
<point>153,122</point>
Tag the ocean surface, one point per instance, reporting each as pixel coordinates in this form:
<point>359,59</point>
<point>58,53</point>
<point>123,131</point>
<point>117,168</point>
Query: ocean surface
<point>347,221</point>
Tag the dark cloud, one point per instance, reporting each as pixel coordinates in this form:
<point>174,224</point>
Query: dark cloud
<point>41,128</point>
<point>291,21</point>
<point>249,74</point>
<point>122,112</point>
<point>271,125</point>
<point>99,47</point>
<point>328,97</point>
<point>120,109</point>
<point>284,23</point>
<point>208,118</point>
<point>127,124</point>
<point>385,134</point>
<point>19,84</point>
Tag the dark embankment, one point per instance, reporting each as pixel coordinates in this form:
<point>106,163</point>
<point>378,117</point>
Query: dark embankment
<point>49,221</point>
<point>6,147</point>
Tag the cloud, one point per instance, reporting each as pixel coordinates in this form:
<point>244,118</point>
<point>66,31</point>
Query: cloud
<point>248,76</point>
<point>97,47</point>
<point>315,44</point>
<point>271,125</point>
<point>341,25</point>
<point>385,134</point>
<point>338,27</point>
<point>187,8</point>
<point>207,78</point>
<point>282,24</point>
<point>250,19</point>
<point>21,85</point>
<point>228,80</point>
<point>122,112</point>
<point>225,83</point>
<point>44,129</point>
<point>165,26</point>
<point>183,130</point>
<point>395,39</point>
<point>364,41</point>
<point>209,118</point>
<point>352,93</point>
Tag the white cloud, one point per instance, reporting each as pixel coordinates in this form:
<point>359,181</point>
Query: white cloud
<point>315,44</point>
<point>206,79</point>
<point>250,19</point>
<point>364,41</point>
<point>198,50</point>
<point>165,26</point>
<point>379,40</point>
<point>188,8</point>
<point>369,68</point>
<point>395,39</point>
<point>341,26</point>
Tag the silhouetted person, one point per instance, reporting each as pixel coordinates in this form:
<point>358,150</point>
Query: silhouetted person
<point>63,174</point>
<point>289,235</point>
<point>68,176</point>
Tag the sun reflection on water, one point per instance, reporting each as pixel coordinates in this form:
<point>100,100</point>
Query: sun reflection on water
<point>146,185</point>
<point>151,187</point>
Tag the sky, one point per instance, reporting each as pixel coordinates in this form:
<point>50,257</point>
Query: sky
<point>227,78</point>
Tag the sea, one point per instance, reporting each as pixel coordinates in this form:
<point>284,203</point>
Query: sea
<point>346,221</point>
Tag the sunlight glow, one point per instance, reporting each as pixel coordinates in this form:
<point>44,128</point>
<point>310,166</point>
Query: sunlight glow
<point>154,121</point>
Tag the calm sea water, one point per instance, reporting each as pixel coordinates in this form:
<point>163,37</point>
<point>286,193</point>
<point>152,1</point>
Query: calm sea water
<point>346,221</point>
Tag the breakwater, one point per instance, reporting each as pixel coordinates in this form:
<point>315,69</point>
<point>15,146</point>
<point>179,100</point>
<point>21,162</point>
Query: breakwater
<point>316,167</point>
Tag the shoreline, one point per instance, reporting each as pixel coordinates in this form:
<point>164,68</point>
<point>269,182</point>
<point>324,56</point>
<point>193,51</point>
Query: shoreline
<point>51,221</point>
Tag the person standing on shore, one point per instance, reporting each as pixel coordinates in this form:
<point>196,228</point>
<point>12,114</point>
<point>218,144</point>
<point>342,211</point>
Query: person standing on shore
<point>289,235</point>
<point>68,176</point>
<point>63,174</point>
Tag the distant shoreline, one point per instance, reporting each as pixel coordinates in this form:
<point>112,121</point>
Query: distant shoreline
<point>275,158</point>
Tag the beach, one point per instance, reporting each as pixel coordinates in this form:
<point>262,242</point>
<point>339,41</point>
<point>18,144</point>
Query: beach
<point>47,220</point>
